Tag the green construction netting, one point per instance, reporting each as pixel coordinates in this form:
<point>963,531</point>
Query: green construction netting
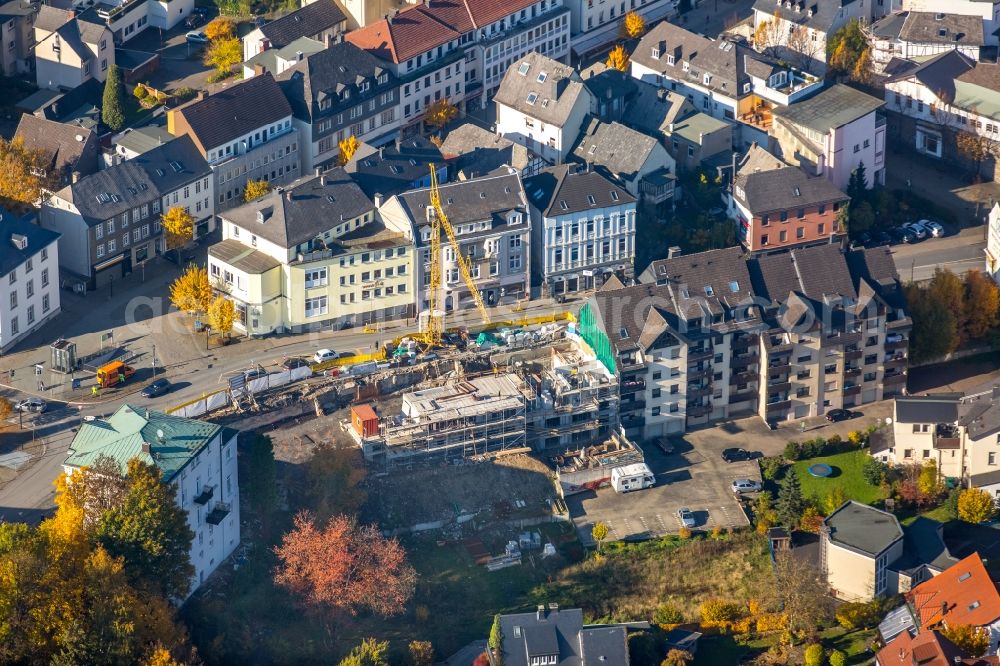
<point>592,334</point>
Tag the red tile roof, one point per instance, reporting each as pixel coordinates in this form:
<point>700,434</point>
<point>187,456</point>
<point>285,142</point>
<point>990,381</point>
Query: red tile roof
<point>962,594</point>
<point>432,23</point>
<point>927,648</point>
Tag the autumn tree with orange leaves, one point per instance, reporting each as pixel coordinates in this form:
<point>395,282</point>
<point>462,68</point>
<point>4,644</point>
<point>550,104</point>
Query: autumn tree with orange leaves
<point>344,568</point>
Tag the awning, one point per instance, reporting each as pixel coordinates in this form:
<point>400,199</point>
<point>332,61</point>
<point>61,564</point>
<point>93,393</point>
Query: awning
<point>109,263</point>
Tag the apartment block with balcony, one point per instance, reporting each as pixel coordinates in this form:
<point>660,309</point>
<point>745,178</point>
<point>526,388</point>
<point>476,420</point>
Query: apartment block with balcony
<point>832,133</point>
<point>196,457</point>
<point>582,227</point>
<point>312,255</point>
<point>245,133</point>
<point>339,92</point>
<point>777,206</point>
<point>492,226</point>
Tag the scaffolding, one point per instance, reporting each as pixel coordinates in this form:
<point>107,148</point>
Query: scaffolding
<point>460,419</point>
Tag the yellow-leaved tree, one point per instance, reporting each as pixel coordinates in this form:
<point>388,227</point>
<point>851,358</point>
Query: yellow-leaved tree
<point>223,54</point>
<point>974,641</point>
<point>20,182</point>
<point>618,58</point>
<point>634,25</point>
<point>220,28</point>
<point>975,506</point>
<point>221,315</point>
<point>348,146</point>
<point>440,113</point>
<point>191,292</point>
<point>178,227</point>
<point>255,189</point>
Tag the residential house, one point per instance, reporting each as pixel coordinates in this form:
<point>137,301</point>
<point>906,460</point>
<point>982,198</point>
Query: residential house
<point>490,218</point>
<point>244,131</point>
<point>582,229</point>
<point>924,428</point>
<point>691,137</point>
<point>552,635</point>
<point>912,35</point>
<point>134,141</point>
<point>857,544</point>
<point>777,206</point>
<point>196,457</point>
<point>636,160</point>
<point>109,221</point>
<point>68,149</point>
<point>800,28</point>
<point>312,255</point>
<point>339,92</point>
<point>596,24</point>
<point>17,31</point>
<point>29,272</point>
<point>992,250</point>
<point>70,51</point>
<point>928,648</point>
<point>541,105</point>
<point>320,20</point>
<point>611,91</point>
<point>963,594</point>
<point>715,334</point>
<point>396,168</point>
<point>832,133</point>
<point>473,151</point>
<point>989,12</point>
<point>126,19</point>
<point>460,49</point>
<point>277,61</point>
<point>935,100</point>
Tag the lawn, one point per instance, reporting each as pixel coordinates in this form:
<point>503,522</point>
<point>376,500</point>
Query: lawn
<point>854,643</point>
<point>846,474</point>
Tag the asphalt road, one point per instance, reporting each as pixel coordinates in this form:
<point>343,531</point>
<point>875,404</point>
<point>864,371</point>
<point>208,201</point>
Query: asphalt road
<point>958,253</point>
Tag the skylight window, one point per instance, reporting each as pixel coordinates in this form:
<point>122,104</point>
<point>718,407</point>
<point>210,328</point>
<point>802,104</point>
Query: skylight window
<point>532,98</point>
<point>591,199</point>
<point>734,286</point>
<point>593,149</point>
<point>623,333</point>
<point>523,69</point>
<point>614,195</point>
<point>709,291</point>
<point>563,204</point>
<point>541,77</point>
<point>974,605</point>
<point>964,577</point>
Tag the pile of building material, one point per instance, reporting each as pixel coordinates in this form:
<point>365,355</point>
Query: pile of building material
<point>591,467</point>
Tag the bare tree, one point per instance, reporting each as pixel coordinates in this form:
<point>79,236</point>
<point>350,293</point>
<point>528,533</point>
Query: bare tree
<point>803,48</point>
<point>800,590</point>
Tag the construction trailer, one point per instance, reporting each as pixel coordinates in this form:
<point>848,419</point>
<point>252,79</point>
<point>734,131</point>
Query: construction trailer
<point>459,419</point>
<point>591,467</point>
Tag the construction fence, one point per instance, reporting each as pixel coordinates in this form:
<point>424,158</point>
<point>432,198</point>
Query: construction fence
<point>223,397</point>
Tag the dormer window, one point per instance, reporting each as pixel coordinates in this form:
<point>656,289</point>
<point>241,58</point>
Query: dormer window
<point>541,77</point>
<point>707,79</point>
<point>656,52</point>
<point>686,66</point>
<point>365,85</point>
<point>532,98</point>
<point>670,60</point>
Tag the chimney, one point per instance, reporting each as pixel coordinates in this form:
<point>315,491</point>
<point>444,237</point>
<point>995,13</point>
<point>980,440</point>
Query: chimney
<point>377,199</point>
<point>380,151</point>
<point>554,607</point>
<point>288,195</point>
<point>327,40</point>
<point>318,171</point>
<point>146,448</point>
<point>540,613</point>
<point>201,95</point>
<point>265,44</point>
<point>338,38</point>
<point>944,608</point>
<point>399,145</point>
<point>75,177</point>
<point>673,251</point>
<point>258,69</point>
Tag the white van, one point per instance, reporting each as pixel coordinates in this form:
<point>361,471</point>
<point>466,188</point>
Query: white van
<point>632,477</point>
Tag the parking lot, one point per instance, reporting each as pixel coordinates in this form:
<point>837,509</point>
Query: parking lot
<point>686,478</point>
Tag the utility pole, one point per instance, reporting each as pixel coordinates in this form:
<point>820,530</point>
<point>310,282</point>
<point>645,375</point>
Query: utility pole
<point>154,360</point>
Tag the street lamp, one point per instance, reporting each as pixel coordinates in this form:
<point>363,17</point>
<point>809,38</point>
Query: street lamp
<point>154,360</point>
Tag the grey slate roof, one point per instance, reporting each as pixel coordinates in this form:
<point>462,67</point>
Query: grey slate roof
<point>473,200</point>
<point>246,259</point>
<point>478,151</point>
<point>617,148</point>
<point>830,108</point>
<point>393,168</point>
<point>234,111</point>
<point>604,645</point>
<point>70,30</point>
<point>938,408</point>
<point>783,188</point>
<point>653,109</point>
<point>610,83</point>
<point>957,29</point>
<point>71,147</point>
<point>555,96</point>
<point>863,528</point>
<point>815,272</point>
<point>302,210</point>
<point>723,60</point>
<point>138,180</point>
<point>312,19</point>
<point>143,139</point>
<point>561,190</point>
<point>10,225</point>
<point>268,59</point>
<point>326,74</point>
<point>821,15</point>
<point>938,74</point>
<point>560,632</point>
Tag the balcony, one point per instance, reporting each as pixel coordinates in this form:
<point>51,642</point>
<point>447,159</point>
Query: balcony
<point>851,389</point>
<point>657,187</point>
<point>744,342</point>
<point>629,422</point>
<point>743,361</point>
<point>852,372</point>
<point>853,354</point>
<point>698,411</point>
<point>893,344</point>
<point>946,437</point>
<point>778,386</point>
<point>695,355</point>
<point>205,495</point>
<point>632,385</point>
<point>743,378</point>
<point>782,367</point>
<point>699,373</point>
<point>217,514</point>
<point>742,396</point>
<point>897,359</point>
<point>760,116</point>
<point>778,406</point>
<point>698,391</point>
<point>894,378</point>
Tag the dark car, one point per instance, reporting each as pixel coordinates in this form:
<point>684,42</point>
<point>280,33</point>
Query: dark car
<point>157,388</point>
<point>881,238</point>
<point>201,11</point>
<point>835,415</point>
<point>292,363</point>
<point>735,455</point>
<point>665,445</point>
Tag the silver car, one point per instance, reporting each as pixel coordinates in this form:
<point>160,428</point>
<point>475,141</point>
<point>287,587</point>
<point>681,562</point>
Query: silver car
<point>745,486</point>
<point>31,405</point>
<point>686,517</point>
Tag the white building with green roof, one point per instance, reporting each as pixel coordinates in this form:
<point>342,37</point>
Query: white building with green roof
<point>199,458</point>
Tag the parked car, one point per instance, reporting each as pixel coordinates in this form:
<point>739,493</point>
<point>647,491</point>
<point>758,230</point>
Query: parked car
<point>917,229</point>
<point>735,455</point>
<point>745,486</point>
<point>157,388</point>
<point>193,21</point>
<point>881,238</point>
<point>324,355</point>
<point>294,362</point>
<point>346,354</point>
<point>903,235</point>
<point>935,229</point>
<point>835,415</point>
<point>196,37</point>
<point>664,444</point>
<point>686,516</point>
<point>31,405</point>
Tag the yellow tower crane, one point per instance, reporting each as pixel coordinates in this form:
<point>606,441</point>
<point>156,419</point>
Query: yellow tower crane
<point>434,327</point>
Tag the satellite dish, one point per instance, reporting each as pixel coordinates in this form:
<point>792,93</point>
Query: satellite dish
<point>159,434</point>
<point>888,420</point>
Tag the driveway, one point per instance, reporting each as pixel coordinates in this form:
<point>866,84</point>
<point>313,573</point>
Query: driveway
<point>181,63</point>
<point>958,253</point>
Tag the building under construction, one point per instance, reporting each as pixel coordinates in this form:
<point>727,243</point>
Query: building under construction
<point>459,419</point>
<point>590,467</point>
